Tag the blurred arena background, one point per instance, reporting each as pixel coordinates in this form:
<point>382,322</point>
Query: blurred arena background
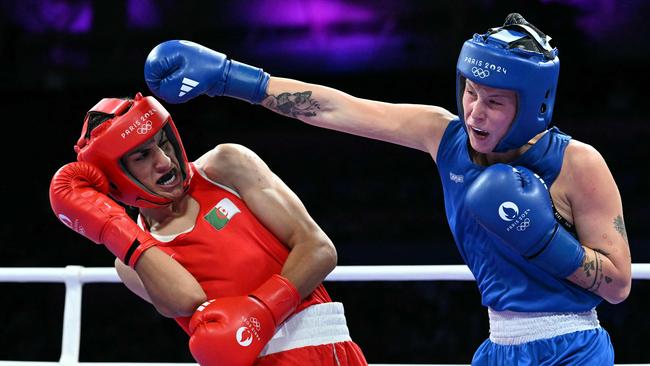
<point>381,204</point>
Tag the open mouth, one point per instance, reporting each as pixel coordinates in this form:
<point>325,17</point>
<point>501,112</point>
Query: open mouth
<point>168,178</point>
<point>480,132</point>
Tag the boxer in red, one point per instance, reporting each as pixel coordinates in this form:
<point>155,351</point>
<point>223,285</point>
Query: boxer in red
<point>221,244</point>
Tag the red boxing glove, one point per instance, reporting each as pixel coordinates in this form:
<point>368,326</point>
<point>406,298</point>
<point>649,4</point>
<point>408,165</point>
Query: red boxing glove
<point>78,198</point>
<point>232,331</point>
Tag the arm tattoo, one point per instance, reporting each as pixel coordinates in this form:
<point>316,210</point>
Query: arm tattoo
<point>293,104</point>
<point>619,225</point>
<point>588,267</point>
<point>606,254</point>
<point>597,266</point>
<point>607,278</point>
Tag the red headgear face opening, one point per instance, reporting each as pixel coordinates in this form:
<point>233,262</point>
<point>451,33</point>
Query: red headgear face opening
<point>130,124</point>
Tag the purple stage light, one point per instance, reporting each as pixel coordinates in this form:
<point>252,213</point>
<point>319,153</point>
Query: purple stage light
<point>333,35</point>
<point>39,16</point>
<point>142,14</point>
<point>305,13</point>
<point>601,18</point>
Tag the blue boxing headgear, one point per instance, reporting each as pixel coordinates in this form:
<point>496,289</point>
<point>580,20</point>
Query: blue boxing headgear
<point>517,57</point>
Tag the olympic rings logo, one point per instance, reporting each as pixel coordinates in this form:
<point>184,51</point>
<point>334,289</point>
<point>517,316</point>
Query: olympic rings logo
<point>524,225</point>
<point>480,73</point>
<point>255,322</point>
<point>145,127</point>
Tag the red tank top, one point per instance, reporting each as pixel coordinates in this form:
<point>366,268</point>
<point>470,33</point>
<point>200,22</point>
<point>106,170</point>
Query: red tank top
<point>229,251</point>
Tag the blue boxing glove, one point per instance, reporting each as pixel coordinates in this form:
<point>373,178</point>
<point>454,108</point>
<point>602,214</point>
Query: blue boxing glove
<point>177,71</point>
<point>514,204</point>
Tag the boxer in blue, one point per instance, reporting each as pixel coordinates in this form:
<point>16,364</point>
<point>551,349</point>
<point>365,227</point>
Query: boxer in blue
<point>536,215</point>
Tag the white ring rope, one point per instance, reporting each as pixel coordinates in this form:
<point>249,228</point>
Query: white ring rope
<point>75,276</point>
<point>640,271</point>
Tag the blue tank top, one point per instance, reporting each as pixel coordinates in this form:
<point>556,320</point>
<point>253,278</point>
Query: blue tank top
<point>505,279</point>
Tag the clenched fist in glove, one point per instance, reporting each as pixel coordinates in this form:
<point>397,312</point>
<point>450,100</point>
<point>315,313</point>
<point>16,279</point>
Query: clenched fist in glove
<point>232,331</point>
<point>78,196</point>
<point>514,204</point>
<point>177,71</point>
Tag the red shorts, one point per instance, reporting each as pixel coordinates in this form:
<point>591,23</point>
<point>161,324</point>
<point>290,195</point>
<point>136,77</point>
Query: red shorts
<point>333,354</point>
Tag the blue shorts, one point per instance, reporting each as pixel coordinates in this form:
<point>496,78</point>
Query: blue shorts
<point>588,347</point>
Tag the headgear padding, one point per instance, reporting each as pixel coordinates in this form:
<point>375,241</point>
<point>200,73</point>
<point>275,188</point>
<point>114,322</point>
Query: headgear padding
<point>129,124</point>
<point>516,57</point>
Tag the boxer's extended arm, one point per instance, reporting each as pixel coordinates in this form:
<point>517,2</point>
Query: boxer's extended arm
<point>312,255</point>
<point>417,126</point>
<point>178,71</point>
<point>163,282</point>
<point>597,213</point>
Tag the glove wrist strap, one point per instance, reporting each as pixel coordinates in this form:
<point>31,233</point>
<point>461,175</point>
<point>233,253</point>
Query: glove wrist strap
<point>279,296</point>
<point>126,240</point>
<point>246,82</point>
<point>562,255</point>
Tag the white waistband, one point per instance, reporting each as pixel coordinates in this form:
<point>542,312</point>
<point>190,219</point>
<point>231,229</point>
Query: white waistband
<point>511,327</point>
<point>317,324</point>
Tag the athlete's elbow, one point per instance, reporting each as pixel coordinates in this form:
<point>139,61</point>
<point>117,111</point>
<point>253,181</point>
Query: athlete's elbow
<point>619,294</point>
<point>182,306</point>
<point>166,311</point>
<point>322,249</point>
<point>329,255</point>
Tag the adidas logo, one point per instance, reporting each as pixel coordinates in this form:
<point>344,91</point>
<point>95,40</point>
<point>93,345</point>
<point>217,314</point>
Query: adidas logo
<point>188,85</point>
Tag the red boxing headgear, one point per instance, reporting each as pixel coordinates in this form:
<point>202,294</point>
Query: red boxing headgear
<point>130,123</point>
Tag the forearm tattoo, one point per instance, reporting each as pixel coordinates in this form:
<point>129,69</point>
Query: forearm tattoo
<point>594,268</point>
<point>619,225</point>
<point>293,104</point>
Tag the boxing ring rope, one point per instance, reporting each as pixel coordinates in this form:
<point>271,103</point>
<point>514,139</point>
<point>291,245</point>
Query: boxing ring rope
<point>75,276</point>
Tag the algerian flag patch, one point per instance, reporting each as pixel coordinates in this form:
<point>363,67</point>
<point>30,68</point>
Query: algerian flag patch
<point>221,213</point>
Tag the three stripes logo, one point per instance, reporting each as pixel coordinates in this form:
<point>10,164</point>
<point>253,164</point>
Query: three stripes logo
<point>188,85</point>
